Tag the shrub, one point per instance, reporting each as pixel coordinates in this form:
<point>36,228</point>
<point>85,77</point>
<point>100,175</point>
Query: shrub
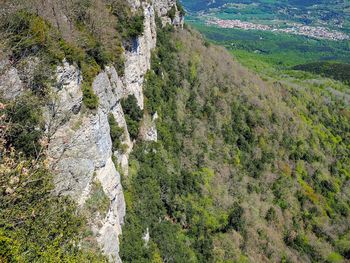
<point>335,258</point>
<point>25,125</point>
<point>133,127</point>
<point>136,26</point>
<point>41,79</point>
<point>8,249</point>
<point>90,99</point>
<point>116,132</point>
<point>271,215</point>
<point>133,115</point>
<point>98,200</point>
<point>235,219</point>
<point>100,55</point>
<point>71,52</point>
<point>128,25</point>
<point>343,246</point>
<point>89,69</point>
<point>180,8</point>
<point>171,13</point>
<point>28,33</point>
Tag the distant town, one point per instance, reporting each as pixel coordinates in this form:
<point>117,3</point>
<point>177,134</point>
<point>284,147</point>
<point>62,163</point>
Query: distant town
<point>297,29</point>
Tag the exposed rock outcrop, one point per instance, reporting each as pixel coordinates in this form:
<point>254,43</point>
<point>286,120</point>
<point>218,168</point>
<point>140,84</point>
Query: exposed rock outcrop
<point>148,130</point>
<point>79,143</point>
<point>138,61</point>
<point>10,83</point>
<point>80,146</point>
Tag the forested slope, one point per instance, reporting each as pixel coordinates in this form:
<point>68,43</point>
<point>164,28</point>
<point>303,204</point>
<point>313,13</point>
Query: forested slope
<point>244,170</point>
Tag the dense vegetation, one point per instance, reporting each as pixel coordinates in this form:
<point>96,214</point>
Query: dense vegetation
<point>318,12</point>
<point>133,115</point>
<point>244,170</point>
<point>338,71</point>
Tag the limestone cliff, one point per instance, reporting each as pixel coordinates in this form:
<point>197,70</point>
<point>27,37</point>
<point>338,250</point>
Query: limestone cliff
<point>80,146</point>
<point>79,142</point>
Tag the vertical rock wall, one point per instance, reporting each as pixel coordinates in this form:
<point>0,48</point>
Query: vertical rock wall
<point>79,142</point>
<point>80,146</point>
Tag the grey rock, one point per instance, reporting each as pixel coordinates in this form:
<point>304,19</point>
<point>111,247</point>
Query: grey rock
<point>80,147</point>
<point>10,83</point>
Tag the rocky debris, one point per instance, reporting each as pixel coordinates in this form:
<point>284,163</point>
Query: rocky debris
<point>148,130</point>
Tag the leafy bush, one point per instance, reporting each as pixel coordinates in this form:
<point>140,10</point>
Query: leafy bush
<point>235,219</point>
<point>133,115</point>
<point>90,99</point>
<point>25,125</point>
<point>335,258</point>
<point>343,246</point>
<point>100,54</point>
<point>116,132</point>
<point>98,200</point>
<point>136,26</point>
<point>172,12</point>
<point>128,25</point>
<point>71,52</point>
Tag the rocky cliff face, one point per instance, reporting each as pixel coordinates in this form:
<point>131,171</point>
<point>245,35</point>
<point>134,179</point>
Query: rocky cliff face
<point>80,146</point>
<point>79,142</point>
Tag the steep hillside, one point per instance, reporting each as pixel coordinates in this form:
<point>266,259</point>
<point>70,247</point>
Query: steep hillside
<point>125,137</point>
<point>244,170</point>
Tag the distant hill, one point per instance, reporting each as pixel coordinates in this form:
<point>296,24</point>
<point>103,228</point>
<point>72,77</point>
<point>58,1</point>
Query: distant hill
<point>335,70</point>
<point>198,5</point>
